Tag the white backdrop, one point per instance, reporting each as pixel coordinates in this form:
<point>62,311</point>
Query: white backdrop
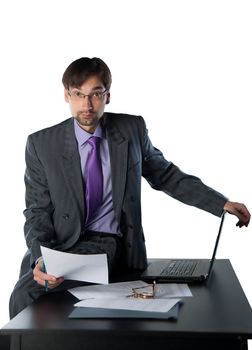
<point>185,66</point>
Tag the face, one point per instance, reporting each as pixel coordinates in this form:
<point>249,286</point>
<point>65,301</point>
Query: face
<point>87,103</point>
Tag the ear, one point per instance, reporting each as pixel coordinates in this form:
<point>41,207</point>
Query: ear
<point>108,98</point>
<point>66,95</point>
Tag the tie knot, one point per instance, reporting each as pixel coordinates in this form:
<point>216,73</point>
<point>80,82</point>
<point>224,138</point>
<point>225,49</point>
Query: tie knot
<point>94,141</point>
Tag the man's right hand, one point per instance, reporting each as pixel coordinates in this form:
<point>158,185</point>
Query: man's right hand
<point>41,277</point>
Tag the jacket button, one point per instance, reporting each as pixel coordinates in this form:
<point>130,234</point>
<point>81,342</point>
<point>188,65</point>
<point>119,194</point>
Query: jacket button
<point>129,245</point>
<point>66,216</point>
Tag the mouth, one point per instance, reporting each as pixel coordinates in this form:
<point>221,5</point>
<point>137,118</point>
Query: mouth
<point>86,114</point>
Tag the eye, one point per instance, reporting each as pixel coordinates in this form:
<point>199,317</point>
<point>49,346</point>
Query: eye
<point>96,94</point>
<point>77,93</point>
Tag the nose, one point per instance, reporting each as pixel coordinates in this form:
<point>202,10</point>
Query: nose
<point>86,103</point>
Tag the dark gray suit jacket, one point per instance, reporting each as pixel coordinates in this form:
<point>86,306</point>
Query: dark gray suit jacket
<point>55,210</point>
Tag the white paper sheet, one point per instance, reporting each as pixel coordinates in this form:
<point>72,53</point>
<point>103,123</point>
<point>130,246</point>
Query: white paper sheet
<point>123,289</point>
<point>88,268</point>
<point>147,305</point>
<point>172,290</point>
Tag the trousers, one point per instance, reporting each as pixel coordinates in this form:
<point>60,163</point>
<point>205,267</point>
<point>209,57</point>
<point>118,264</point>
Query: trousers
<point>27,290</point>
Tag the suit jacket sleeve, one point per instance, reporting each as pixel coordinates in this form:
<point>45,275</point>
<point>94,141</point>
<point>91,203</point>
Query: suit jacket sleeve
<point>165,176</point>
<point>38,227</point>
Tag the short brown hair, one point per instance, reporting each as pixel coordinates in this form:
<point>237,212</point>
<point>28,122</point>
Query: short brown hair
<point>82,69</point>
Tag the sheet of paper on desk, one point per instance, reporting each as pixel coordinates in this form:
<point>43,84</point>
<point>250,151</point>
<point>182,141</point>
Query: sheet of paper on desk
<point>146,305</point>
<point>123,289</point>
<point>88,268</point>
<point>119,289</point>
<point>172,290</point>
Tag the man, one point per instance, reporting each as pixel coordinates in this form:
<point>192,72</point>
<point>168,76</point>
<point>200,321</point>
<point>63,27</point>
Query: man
<point>68,212</point>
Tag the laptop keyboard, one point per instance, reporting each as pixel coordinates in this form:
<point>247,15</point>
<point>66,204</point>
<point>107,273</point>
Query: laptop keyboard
<point>179,268</point>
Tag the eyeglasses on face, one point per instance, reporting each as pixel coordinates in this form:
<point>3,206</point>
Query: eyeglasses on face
<point>94,96</point>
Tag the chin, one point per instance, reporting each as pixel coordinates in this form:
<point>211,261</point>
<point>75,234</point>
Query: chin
<point>86,121</point>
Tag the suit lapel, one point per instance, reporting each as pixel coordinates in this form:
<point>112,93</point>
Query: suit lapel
<point>72,168</point>
<point>118,149</point>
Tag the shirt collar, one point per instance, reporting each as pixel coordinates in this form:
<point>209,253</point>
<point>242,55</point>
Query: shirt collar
<point>82,136</point>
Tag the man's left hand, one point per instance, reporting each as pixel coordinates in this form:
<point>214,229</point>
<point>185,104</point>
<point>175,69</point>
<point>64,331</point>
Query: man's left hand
<point>239,210</point>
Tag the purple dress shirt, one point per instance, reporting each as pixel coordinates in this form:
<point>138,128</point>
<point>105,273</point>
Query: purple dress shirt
<point>104,219</point>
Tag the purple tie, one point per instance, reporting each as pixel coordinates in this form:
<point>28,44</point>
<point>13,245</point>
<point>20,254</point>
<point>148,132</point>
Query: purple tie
<point>94,182</point>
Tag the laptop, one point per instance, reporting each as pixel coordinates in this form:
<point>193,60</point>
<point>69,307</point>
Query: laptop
<point>182,270</point>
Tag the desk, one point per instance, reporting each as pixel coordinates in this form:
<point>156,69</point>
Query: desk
<point>218,316</point>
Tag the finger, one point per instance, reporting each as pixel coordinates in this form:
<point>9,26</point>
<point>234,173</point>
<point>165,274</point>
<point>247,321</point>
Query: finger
<point>55,284</point>
<point>40,274</point>
<point>242,223</point>
<point>239,224</point>
<point>50,285</point>
<point>40,281</point>
<point>243,215</point>
<point>243,211</point>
